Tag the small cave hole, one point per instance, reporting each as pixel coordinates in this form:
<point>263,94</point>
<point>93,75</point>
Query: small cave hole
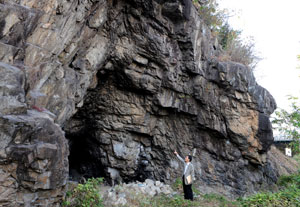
<point>84,157</point>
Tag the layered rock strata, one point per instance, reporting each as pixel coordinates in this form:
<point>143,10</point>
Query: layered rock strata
<point>127,83</point>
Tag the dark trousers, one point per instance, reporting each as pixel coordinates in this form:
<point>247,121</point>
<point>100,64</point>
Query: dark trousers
<point>187,190</point>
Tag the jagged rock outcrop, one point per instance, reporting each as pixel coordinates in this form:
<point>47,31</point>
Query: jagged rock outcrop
<point>129,82</point>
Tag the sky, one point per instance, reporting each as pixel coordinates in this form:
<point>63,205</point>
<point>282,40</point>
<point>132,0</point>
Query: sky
<point>275,28</point>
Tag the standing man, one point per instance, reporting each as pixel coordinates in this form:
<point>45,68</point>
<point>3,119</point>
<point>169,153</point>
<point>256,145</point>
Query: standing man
<point>188,176</point>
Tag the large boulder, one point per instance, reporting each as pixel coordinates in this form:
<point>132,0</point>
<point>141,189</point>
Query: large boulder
<point>118,86</point>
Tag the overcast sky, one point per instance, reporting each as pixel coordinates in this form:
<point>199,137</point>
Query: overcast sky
<point>275,27</point>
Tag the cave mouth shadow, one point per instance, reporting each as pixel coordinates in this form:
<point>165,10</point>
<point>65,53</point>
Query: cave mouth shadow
<point>85,161</point>
<point>89,155</point>
<point>84,157</point>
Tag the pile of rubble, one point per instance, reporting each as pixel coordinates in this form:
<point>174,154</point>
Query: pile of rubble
<point>122,195</point>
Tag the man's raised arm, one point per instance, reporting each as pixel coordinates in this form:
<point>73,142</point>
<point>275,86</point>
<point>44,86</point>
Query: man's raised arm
<point>180,158</point>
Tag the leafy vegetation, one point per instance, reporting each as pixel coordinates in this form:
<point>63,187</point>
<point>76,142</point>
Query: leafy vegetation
<point>210,14</point>
<point>234,48</point>
<point>85,195</point>
<point>287,196</point>
<point>290,180</point>
<point>288,123</point>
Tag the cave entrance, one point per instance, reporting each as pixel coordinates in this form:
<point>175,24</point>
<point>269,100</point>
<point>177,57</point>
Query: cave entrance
<point>85,156</point>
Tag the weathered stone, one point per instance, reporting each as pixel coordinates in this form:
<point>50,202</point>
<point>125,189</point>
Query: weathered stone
<point>40,157</point>
<point>149,182</point>
<point>100,15</point>
<point>12,94</point>
<point>129,82</point>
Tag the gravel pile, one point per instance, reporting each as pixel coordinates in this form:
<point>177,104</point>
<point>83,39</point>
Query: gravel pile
<point>122,195</point>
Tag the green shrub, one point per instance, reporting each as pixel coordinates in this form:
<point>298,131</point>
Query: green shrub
<point>209,12</point>
<point>226,35</point>
<point>288,180</point>
<point>85,195</point>
<point>288,196</point>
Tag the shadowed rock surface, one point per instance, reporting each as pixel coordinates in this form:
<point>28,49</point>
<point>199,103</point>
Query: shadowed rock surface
<point>126,83</point>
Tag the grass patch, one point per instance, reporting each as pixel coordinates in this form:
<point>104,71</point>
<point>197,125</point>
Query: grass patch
<point>213,196</point>
<point>218,200</point>
<point>288,196</point>
<point>211,200</point>
<point>163,201</point>
<point>287,181</point>
<point>285,198</point>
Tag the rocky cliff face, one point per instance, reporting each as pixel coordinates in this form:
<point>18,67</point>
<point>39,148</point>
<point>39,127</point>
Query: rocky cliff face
<point>111,88</point>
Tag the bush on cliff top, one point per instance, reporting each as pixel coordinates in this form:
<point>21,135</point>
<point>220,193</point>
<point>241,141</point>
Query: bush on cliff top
<point>234,48</point>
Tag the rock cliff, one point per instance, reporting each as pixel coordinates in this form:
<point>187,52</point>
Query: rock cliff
<point>111,88</point>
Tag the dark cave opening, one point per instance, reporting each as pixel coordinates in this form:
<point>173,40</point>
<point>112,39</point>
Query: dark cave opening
<point>84,148</point>
<point>85,161</point>
<point>84,157</point>
<point>89,146</point>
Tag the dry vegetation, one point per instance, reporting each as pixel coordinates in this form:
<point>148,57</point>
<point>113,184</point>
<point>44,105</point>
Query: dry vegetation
<point>233,47</point>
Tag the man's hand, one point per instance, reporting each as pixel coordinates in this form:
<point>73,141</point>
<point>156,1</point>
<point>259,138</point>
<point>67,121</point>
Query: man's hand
<point>175,152</point>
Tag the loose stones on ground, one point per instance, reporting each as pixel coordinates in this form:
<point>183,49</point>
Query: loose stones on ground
<point>121,194</point>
